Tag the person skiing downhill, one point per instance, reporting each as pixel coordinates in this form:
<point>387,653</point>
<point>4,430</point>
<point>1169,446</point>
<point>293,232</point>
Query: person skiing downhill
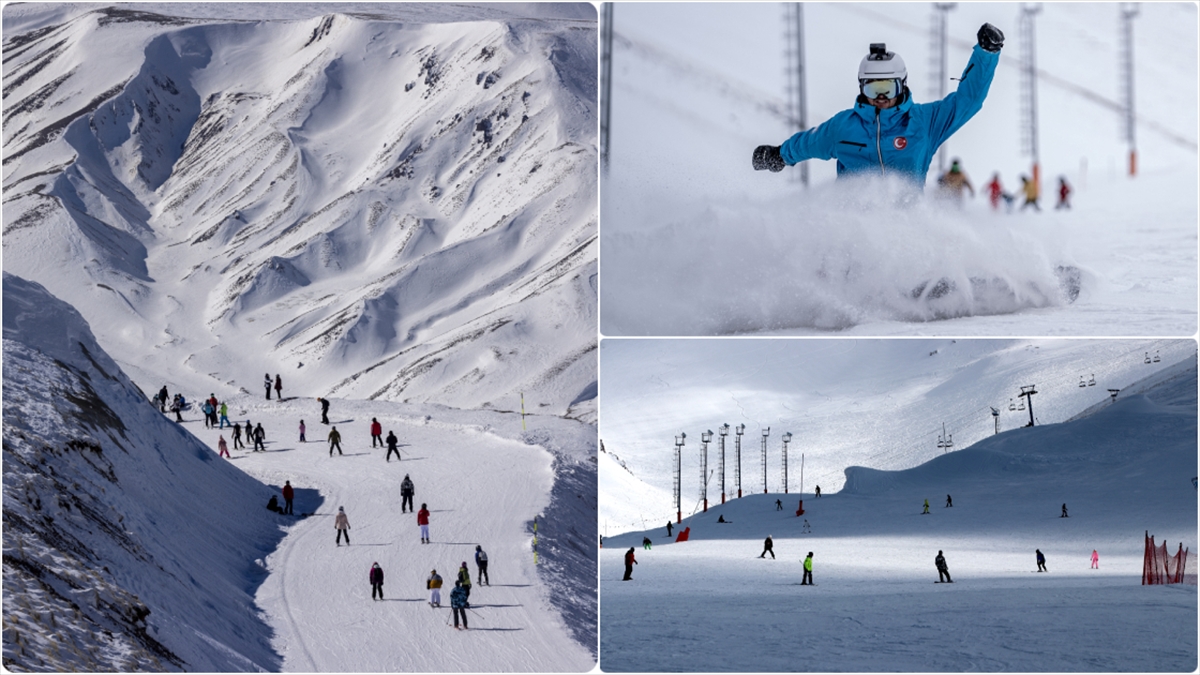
<point>646,543</point>
<point>768,547</point>
<point>459,604</point>
<point>926,507</point>
<point>942,568</point>
<point>481,561</point>
<point>392,447</point>
<point>807,580</point>
<point>376,579</point>
<point>949,502</point>
<point>342,524</point>
<point>324,410</point>
<point>335,441</point>
<point>376,433</point>
<point>630,561</point>
<point>434,584</point>
<point>1041,560</point>
<point>423,523</point>
<point>1095,560</point>
<point>1064,512</point>
<point>406,494</point>
<point>886,132</point>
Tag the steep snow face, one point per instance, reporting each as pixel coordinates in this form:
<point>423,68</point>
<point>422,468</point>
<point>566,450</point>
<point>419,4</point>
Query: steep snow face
<point>126,540</point>
<point>379,208</point>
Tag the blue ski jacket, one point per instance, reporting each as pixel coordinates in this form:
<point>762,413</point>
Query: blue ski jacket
<point>902,139</point>
<point>458,598</point>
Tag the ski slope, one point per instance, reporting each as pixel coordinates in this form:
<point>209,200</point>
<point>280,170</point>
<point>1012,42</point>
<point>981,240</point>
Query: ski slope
<point>709,604</point>
<point>697,243</point>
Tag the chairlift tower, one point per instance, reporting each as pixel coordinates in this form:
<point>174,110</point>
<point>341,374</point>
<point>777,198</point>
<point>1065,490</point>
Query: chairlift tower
<point>796,90</point>
<point>1029,116</point>
<point>606,41</point>
<point>704,439</point>
<point>724,431</point>
<point>678,460</point>
<point>765,432</point>
<point>737,467</point>
<point>996,417</point>
<point>787,438</point>
<point>1028,392</point>
<point>938,39</point>
<point>1129,10</point>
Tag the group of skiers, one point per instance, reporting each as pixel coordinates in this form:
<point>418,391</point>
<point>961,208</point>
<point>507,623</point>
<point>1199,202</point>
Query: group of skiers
<point>1029,190</point>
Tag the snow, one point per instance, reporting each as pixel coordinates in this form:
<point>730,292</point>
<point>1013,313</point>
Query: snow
<point>697,243</point>
<point>709,604</point>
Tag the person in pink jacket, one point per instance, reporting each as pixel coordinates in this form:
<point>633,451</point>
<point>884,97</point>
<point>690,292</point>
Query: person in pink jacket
<point>224,449</point>
<point>342,525</point>
<point>1095,560</point>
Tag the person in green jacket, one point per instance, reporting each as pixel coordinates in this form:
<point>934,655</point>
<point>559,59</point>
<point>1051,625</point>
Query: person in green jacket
<point>335,441</point>
<point>807,581</point>
<point>926,507</point>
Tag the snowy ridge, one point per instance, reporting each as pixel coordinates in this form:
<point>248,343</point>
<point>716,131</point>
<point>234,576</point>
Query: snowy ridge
<point>124,539</point>
<point>410,215</point>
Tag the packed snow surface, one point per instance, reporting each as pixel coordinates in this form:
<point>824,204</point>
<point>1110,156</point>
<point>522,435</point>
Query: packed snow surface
<point>695,242</point>
<point>712,604</point>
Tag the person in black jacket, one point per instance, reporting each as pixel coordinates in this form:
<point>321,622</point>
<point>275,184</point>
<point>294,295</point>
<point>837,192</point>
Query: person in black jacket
<point>943,570</point>
<point>768,547</point>
<point>1041,560</point>
<point>629,563</point>
<point>406,494</point>
<point>391,446</point>
<point>376,578</point>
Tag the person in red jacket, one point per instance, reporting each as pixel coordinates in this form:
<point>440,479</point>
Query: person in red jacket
<point>629,563</point>
<point>376,433</point>
<point>288,493</point>
<point>376,577</point>
<point>423,522</point>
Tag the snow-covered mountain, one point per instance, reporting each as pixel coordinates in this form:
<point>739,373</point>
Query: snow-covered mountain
<point>389,202</point>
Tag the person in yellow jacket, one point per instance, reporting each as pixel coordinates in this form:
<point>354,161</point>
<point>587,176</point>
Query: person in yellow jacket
<point>807,580</point>
<point>434,585</point>
<point>1029,188</point>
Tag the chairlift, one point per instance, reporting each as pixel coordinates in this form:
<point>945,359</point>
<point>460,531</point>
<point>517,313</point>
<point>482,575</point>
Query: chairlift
<point>1156,359</point>
<point>1011,405</point>
<point>1082,383</point>
<point>1147,357</point>
<point>1021,405</point>
<point>1092,382</point>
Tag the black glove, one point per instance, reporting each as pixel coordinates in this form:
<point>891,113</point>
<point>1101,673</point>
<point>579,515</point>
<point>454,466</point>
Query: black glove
<point>768,157</point>
<point>990,38</point>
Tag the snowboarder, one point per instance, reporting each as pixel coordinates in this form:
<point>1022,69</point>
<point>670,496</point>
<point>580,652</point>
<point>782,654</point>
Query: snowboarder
<point>768,547</point>
<point>423,523</point>
<point>342,524</point>
<point>392,447</point>
<point>459,604</point>
<point>778,505</point>
<point>721,518</point>
<point>949,502</point>
<point>259,437</point>
<point>237,436</point>
<point>376,433</point>
<point>926,507</point>
<point>278,387</point>
<point>646,543</point>
<point>222,447</point>
<point>267,381</point>
<point>1064,512</point>
<point>1095,560</point>
<point>324,409</point>
<point>1029,189</point>
<point>668,528</point>
<point>376,579</point>
<point>1064,194</point>
<point>434,585</point>
<point>1041,560</point>
<point>273,504</point>
<point>481,562</point>
<point>464,578</point>
<point>162,399</point>
<point>335,441</point>
<point>818,492</point>
<point>952,183</point>
<point>630,561</point>
<point>943,570</point>
<point>807,579</point>
<point>288,495</point>
<point>302,432</point>
<point>885,131</point>
<point>406,494</point>
<point>224,410</point>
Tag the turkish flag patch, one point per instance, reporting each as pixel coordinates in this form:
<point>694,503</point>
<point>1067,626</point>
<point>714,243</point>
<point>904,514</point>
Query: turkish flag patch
<point>900,142</point>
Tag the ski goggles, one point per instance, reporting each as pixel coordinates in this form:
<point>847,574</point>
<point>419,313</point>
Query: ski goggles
<point>876,88</point>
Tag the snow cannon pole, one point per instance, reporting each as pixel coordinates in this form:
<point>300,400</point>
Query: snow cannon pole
<point>535,559</point>
<point>522,411</point>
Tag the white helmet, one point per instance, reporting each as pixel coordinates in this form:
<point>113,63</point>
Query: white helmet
<point>881,64</point>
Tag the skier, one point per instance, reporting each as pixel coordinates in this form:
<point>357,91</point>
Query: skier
<point>376,432</point>
<point>209,414</point>
<point>302,432</point>
<point>1064,194</point>
<point>818,492</point>
<point>288,495</point>
<point>267,383</point>
<point>995,192</point>
<point>1041,560</point>
<point>1095,560</point>
<point>807,580</point>
<point>646,543</point>
<point>423,523</point>
<point>278,386</point>
<point>176,407</point>
<point>376,578</point>
<point>324,409</point>
<point>630,561</point>
<point>1064,512</point>
<point>391,446</point>
<point>926,507</point>
<point>943,570</point>
<point>949,502</point>
<point>668,528</point>
<point>952,183</point>
<point>768,547</point>
<point>335,441</point>
<point>778,505</point>
<point>885,131</point>
<point>434,584</point>
<point>224,410</point>
<point>1029,189</point>
<point>459,604</point>
<point>464,578</point>
<point>237,436</point>
<point>342,524</point>
<point>406,494</point>
<point>481,562</point>
<point>224,449</point>
<point>259,436</point>
<point>162,399</point>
